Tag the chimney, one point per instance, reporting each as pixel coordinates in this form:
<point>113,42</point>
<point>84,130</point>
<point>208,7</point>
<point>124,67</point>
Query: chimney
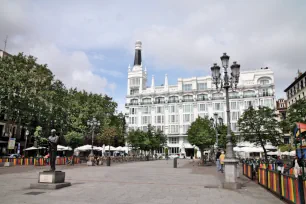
<point>137,60</point>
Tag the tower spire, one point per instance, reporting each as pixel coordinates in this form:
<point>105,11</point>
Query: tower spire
<point>137,59</point>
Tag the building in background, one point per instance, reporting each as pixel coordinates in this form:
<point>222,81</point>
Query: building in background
<point>297,89</point>
<point>172,108</point>
<point>281,111</point>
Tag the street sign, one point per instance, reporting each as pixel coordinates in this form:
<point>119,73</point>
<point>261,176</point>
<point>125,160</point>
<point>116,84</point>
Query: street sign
<point>11,144</point>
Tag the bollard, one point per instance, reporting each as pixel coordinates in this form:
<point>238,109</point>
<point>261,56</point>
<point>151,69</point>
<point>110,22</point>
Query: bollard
<point>108,162</point>
<point>175,163</point>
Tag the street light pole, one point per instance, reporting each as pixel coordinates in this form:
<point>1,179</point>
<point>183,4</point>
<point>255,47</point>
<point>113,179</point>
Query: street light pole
<point>226,83</point>
<point>93,124</point>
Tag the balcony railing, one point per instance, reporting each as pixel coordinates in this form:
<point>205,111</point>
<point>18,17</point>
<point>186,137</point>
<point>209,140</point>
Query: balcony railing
<point>187,100</point>
<point>173,101</point>
<point>202,99</point>
<point>249,96</point>
<point>266,94</point>
<point>159,102</point>
<point>131,104</point>
<point>234,96</point>
<point>147,102</point>
<point>217,97</point>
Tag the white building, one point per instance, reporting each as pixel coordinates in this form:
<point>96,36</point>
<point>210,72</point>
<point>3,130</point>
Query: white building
<point>172,108</point>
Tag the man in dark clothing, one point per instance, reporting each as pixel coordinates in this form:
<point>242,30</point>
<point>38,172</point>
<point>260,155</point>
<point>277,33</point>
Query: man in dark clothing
<point>218,160</point>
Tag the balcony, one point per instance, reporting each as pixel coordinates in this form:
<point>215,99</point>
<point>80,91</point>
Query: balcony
<point>173,101</point>
<point>266,94</point>
<point>187,100</point>
<point>249,96</point>
<point>146,103</point>
<point>231,97</point>
<point>131,104</point>
<point>159,102</point>
<point>202,99</point>
<point>218,98</point>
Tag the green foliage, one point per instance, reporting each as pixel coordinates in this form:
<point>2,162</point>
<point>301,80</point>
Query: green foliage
<point>31,96</point>
<point>260,126</point>
<point>108,136</point>
<point>296,113</point>
<point>74,139</point>
<point>147,141</point>
<point>166,152</point>
<point>201,133</point>
<point>222,140</point>
<point>286,148</point>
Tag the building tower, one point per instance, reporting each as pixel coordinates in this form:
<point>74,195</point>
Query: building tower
<point>137,76</point>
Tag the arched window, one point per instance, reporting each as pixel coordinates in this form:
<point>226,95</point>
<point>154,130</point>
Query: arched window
<point>173,99</point>
<point>264,80</point>
<point>216,96</point>
<point>233,95</point>
<point>249,94</point>
<point>159,100</point>
<point>202,97</point>
<point>146,101</point>
<point>187,98</point>
<point>134,102</point>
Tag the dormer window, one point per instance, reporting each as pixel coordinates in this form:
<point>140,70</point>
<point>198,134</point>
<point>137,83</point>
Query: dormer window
<point>264,82</point>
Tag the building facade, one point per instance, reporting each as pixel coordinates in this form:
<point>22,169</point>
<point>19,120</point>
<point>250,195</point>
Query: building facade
<point>281,112</point>
<point>296,90</point>
<point>172,108</point>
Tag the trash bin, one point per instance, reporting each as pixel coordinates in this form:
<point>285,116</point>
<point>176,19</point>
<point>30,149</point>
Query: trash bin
<point>108,162</point>
<point>175,162</point>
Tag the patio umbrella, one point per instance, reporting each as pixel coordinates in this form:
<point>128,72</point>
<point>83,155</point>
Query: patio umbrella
<point>31,148</point>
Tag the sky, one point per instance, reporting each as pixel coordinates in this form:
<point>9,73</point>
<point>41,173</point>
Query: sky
<point>90,44</point>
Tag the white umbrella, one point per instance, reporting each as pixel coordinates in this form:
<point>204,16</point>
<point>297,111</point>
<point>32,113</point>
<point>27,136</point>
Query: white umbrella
<point>252,149</point>
<point>286,153</point>
<point>237,149</point>
<point>292,153</point>
<point>272,153</point>
<point>103,148</point>
<point>31,148</point>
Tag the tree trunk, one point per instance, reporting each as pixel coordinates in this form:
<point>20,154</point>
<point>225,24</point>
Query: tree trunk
<point>202,156</point>
<point>265,151</point>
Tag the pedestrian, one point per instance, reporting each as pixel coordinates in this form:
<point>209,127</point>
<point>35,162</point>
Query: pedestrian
<point>218,160</point>
<point>280,164</point>
<point>221,158</point>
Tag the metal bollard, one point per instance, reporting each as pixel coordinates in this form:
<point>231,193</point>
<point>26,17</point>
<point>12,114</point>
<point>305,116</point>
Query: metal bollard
<point>108,162</point>
<point>175,163</point>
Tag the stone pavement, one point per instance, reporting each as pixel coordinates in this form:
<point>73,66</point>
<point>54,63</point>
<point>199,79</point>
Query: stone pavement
<point>137,183</point>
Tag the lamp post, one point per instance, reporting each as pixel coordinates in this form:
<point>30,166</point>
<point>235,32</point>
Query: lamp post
<point>226,82</point>
<point>93,124</point>
<point>26,140</point>
<point>214,121</point>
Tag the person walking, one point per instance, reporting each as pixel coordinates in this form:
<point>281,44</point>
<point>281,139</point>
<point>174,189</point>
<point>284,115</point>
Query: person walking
<point>221,158</point>
<point>218,165</point>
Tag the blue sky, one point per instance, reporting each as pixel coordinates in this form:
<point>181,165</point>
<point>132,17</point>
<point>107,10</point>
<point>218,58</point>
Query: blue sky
<point>89,44</point>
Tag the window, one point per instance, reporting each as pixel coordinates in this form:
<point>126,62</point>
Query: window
<point>134,91</point>
<point>146,101</point>
<point>234,105</point>
<point>172,109</point>
<point>248,94</point>
<point>173,150</point>
<point>173,99</point>
<point>234,95</point>
<point>132,120</point>
<point>248,104</point>
<point>159,119</point>
<point>202,86</point>
<point>146,110</point>
<point>173,140</point>
<point>235,116</point>
<point>265,92</point>
<point>187,108</point>
<point>134,101</point>
<point>217,106</point>
<point>234,127</point>
<point>217,96</point>
<point>202,97</point>
<point>174,129</point>
<point>133,111</point>
<point>160,100</point>
<point>159,127</point>
<point>264,82</point>
<point>173,118</point>
<point>134,81</point>
<point>268,103</point>
<point>187,118</point>
<point>160,109</point>
<point>188,98</point>
<point>202,107</point>
<point>146,120</point>
<point>187,87</point>
<point>185,128</point>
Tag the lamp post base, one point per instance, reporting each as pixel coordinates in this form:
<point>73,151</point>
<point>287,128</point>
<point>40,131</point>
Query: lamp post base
<point>231,174</point>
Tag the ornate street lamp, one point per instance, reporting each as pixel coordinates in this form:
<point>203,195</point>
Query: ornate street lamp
<point>226,82</point>
<point>93,124</point>
<point>216,122</point>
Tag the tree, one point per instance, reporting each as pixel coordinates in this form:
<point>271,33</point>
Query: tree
<point>222,139</point>
<point>201,134</point>
<point>260,126</point>
<point>286,148</point>
<point>74,139</point>
<point>108,135</point>
<point>296,113</point>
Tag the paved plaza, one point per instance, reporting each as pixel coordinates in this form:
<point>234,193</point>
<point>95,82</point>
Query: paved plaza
<point>138,182</point>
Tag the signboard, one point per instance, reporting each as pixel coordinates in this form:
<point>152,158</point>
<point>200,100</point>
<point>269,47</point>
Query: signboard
<point>45,178</point>
<point>11,143</point>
